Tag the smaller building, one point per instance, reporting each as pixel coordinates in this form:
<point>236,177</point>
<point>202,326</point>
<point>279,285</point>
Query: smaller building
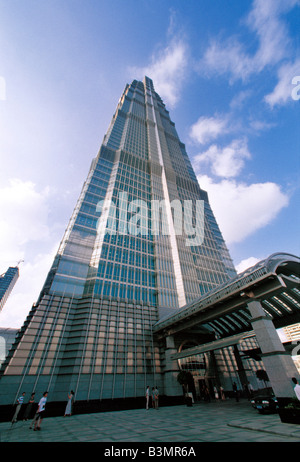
<point>7,282</point>
<point>292,334</point>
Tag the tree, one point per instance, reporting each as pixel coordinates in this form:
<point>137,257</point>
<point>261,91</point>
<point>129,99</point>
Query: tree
<point>262,375</point>
<point>185,378</point>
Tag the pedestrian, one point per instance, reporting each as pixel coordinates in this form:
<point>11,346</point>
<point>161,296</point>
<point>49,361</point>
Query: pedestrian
<point>69,407</point>
<point>222,393</point>
<point>207,394</point>
<point>251,390</point>
<point>235,391</point>
<point>216,393</point>
<point>147,397</point>
<point>156,396</point>
<point>296,387</point>
<point>20,401</point>
<point>153,397</point>
<point>246,391</point>
<point>39,415</point>
<point>29,407</point>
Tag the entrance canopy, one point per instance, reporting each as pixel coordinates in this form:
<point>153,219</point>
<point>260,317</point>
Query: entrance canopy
<point>216,345</point>
<point>274,282</point>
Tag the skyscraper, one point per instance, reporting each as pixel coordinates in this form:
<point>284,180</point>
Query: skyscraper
<point>7,282</point>
<point>142,241</point>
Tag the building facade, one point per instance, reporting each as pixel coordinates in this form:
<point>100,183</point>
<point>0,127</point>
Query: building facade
<point>142,241</point>
<point>7,339</point>
<point>292,334</point>
<point>7,282</point>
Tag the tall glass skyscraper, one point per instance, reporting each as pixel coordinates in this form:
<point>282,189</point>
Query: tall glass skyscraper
<point>142,241</point>
<point>7,282</point>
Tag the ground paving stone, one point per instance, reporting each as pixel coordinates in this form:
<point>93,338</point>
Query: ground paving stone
<point>203,422</point>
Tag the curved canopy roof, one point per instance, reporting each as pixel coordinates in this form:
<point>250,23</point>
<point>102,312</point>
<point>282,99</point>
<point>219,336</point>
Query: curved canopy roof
<point>275,282</point>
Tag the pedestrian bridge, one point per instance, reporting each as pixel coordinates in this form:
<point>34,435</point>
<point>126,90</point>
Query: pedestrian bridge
<point>273,282</point>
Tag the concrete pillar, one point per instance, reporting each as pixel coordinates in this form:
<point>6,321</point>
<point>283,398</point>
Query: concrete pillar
<point>278,363</point>
<point>240,367</point>
<point>171,386</point>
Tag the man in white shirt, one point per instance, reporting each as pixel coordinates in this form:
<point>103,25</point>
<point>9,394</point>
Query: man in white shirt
<point>296,388</point>
<point>37,420</point>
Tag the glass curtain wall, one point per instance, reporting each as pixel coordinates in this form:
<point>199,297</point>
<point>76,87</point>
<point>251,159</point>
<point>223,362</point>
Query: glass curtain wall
<point>120,265</point>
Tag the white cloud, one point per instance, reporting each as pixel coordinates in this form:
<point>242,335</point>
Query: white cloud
<point>265,21</point>
<point>247,263</point>
<point>208,128</point>
<point>225,162</point>
<point>168,70</point>
<point>242,209</point>
<point>258,126</point>
<point>27,289</point>
<point>240,98</point>
<point>23,219</point>
<point>24,228</point>
<point>228,57</point>
<point>284,88</point>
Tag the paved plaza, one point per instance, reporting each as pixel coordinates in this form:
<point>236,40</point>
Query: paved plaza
<point>204,422</point>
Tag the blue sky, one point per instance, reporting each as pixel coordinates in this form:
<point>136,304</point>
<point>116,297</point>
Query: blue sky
<point>226,70</point>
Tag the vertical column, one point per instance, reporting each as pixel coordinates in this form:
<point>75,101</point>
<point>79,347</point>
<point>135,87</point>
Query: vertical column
<point>278,363</point>
<point>169,219</point>
<point>240,366</point>
<point>171,386</point>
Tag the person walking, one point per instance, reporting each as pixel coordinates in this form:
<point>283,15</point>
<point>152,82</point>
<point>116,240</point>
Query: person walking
<point>29,407</point>
<point>156,396</point>
<point>69,407</point>
<point>20,401</point>
<point>37,420</point>
<point>207,394</point>
<point>235,391</point>
<point>251,390</point>
<point>153,397</point>
<point>222,393</point>
<point>216,393</point>
<point>147,397</point>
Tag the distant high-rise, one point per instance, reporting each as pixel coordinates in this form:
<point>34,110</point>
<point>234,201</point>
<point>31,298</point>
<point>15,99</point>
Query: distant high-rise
<point>7,282</point>
<point>132,252</point>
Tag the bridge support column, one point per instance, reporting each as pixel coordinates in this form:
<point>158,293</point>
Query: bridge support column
<point>278,363</point>
<point>240,366</point>
<point>171,386</point>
